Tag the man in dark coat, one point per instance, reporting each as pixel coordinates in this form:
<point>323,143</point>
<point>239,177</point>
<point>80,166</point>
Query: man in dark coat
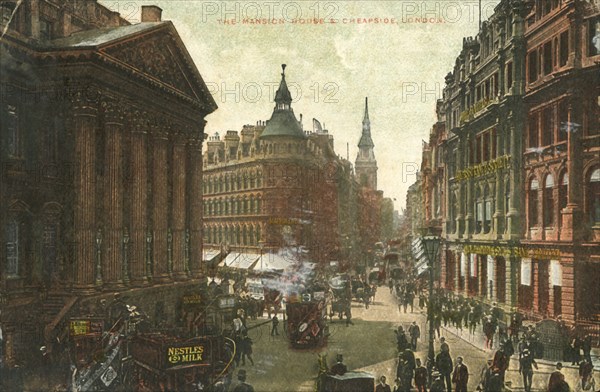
<point>557,383</point>
<point>420,377</point>
<point>460,377</point>
<point>443,362</point>
<point>382,386</point>
<point>339,368</point>
<point>243,386</point>
<point>401,340</point>
<point>415,333</point>
<point>526,364</point>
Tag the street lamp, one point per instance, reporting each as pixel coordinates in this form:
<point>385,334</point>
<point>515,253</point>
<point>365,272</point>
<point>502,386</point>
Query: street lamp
<point>261,246</point>
<point>431,244</point>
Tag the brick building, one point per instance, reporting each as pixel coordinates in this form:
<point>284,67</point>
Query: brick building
<point>102,129</point>
<point>521,163</point>
<point>561,161</point>
<point>274,186</point>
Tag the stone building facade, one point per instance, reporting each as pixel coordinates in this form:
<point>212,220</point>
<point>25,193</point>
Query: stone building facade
<point>102,131</point>
<point>484,119</point>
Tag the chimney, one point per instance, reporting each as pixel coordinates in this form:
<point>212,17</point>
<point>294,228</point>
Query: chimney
<point>151,13</point>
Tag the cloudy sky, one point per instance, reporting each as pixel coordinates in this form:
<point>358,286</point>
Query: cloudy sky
<point>332,66</point>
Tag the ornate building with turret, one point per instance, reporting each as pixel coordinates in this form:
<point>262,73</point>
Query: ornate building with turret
<point>274,186</point>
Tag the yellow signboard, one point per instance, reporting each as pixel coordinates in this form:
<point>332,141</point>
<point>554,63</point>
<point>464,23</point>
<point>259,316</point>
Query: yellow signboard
<point>516,251</point>
<point>185,355</point>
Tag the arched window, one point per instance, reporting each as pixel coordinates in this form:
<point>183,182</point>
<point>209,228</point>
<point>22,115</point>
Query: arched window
<point>257,234</point>
<point>251,237</point>
<point>489,211</point>
<point>244,235</point>
<point>593,197</point>
<point>207,234</point>
<point>532,202</point>
<point>214,236</point>
<point>220,235</point>
<point>237,235</point>
<point>548,201</point>
<point>227,206</point>
<point>479,215</point>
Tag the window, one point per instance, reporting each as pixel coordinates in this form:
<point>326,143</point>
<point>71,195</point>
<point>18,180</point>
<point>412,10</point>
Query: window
<point>6,11</point>
<point>563,118</point>
<point>487,223</point>
<point>547,126</point>
<point>12,249</point>
<point>45,29</point>
<point>509,75</point>
<point>549,201</point>
<point>547,58</point>
<point>486,147</point>
<point>593,196</point>
<point>564,48</point>
<point>479,217</point>
<point>532,61</point>
<point>532,201</point>
<point>533,131</point>
<point>594,37</point>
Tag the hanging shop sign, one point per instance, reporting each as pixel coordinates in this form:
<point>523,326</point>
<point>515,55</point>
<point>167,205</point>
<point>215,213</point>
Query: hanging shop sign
<point>186,355</point>
<point>84,327</point>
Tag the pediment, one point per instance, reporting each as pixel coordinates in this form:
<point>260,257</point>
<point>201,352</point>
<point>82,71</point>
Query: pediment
<point>160,57</point>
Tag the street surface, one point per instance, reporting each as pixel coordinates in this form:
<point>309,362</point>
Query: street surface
<point>369,345</point>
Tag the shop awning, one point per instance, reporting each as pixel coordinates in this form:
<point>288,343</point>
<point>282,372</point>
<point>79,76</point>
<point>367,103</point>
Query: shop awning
<point>239,260</point>
<point>274,261</point>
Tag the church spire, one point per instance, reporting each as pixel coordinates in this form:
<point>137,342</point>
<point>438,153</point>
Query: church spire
<point>365,139</point>
<point>366,165</point>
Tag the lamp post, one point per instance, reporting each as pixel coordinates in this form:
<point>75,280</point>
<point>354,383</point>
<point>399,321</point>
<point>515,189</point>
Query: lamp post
<point>261,246</point>
<point>431,243</point>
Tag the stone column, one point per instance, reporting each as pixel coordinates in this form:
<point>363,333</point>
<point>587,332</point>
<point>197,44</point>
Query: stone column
<point>160,214</point>
<point>457,272</point>
<point>481,277</point>
<point>139,200</point>
<point>571,229</point>
<point>178,206</point>
<point>499,207</point>
<point>469,227</point>
<point>535,277</point>
<point>569,310</point>
<point>467,273</point>
<point>85,112</point>
<point>113,195</point>
<point>514,230</point>
<point>195,202</point>
<point>511,280</point>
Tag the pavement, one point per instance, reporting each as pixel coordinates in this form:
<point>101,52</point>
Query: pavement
<point>368,345</point>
